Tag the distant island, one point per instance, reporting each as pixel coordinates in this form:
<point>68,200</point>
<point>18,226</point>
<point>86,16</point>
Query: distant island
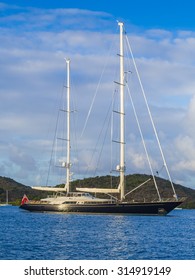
<point>17,190</point>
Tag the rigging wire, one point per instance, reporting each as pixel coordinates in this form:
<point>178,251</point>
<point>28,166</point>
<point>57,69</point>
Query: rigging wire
<point>107,119</point>
<point>52,151</point>
<point>143,142</point>
<point>97,88</point>
<point>150,115</point>
<point>74,120</point>
<point>53,156</point>
<point>91,107</point>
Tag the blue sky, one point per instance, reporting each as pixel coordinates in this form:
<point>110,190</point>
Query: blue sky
<point>37,35</point>
<point>171,14</point>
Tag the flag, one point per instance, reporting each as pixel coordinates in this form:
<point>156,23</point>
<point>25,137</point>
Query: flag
<point>24,200</point>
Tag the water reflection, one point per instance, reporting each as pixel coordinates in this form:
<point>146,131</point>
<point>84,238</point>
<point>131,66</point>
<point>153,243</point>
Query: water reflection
<point>27,235</point>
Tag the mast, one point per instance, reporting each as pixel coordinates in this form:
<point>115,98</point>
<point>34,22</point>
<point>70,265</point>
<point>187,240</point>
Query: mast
<point>7,202</point>
<point>68,164</point>
<point>122,115</point>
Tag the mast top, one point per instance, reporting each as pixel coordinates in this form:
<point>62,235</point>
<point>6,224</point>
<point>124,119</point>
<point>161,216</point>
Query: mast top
<point>120,23</point>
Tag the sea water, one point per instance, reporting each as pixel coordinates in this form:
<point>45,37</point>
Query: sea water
<point>53,236</point>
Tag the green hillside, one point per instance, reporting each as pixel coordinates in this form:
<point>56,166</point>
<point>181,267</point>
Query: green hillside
<point>145,192</point>
<point>16,191</point>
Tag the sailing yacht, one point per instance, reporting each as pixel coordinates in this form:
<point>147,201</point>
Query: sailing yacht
<point>82,200</point>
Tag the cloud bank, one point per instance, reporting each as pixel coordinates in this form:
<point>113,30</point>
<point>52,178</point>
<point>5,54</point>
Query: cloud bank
<point>34,43</point>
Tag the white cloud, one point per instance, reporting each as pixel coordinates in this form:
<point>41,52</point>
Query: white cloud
<point>190,118</point>
<point>34,43</point>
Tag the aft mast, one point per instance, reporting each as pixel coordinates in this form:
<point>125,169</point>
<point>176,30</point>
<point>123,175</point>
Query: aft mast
<point>122,116</point>
<point>68,164</point>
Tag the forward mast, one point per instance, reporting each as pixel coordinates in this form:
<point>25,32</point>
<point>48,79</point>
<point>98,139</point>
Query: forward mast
<point>122,116</point>
<point>68,163</point>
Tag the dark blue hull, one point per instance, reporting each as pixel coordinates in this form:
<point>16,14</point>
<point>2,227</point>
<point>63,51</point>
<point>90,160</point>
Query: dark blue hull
<point>151,208</point>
